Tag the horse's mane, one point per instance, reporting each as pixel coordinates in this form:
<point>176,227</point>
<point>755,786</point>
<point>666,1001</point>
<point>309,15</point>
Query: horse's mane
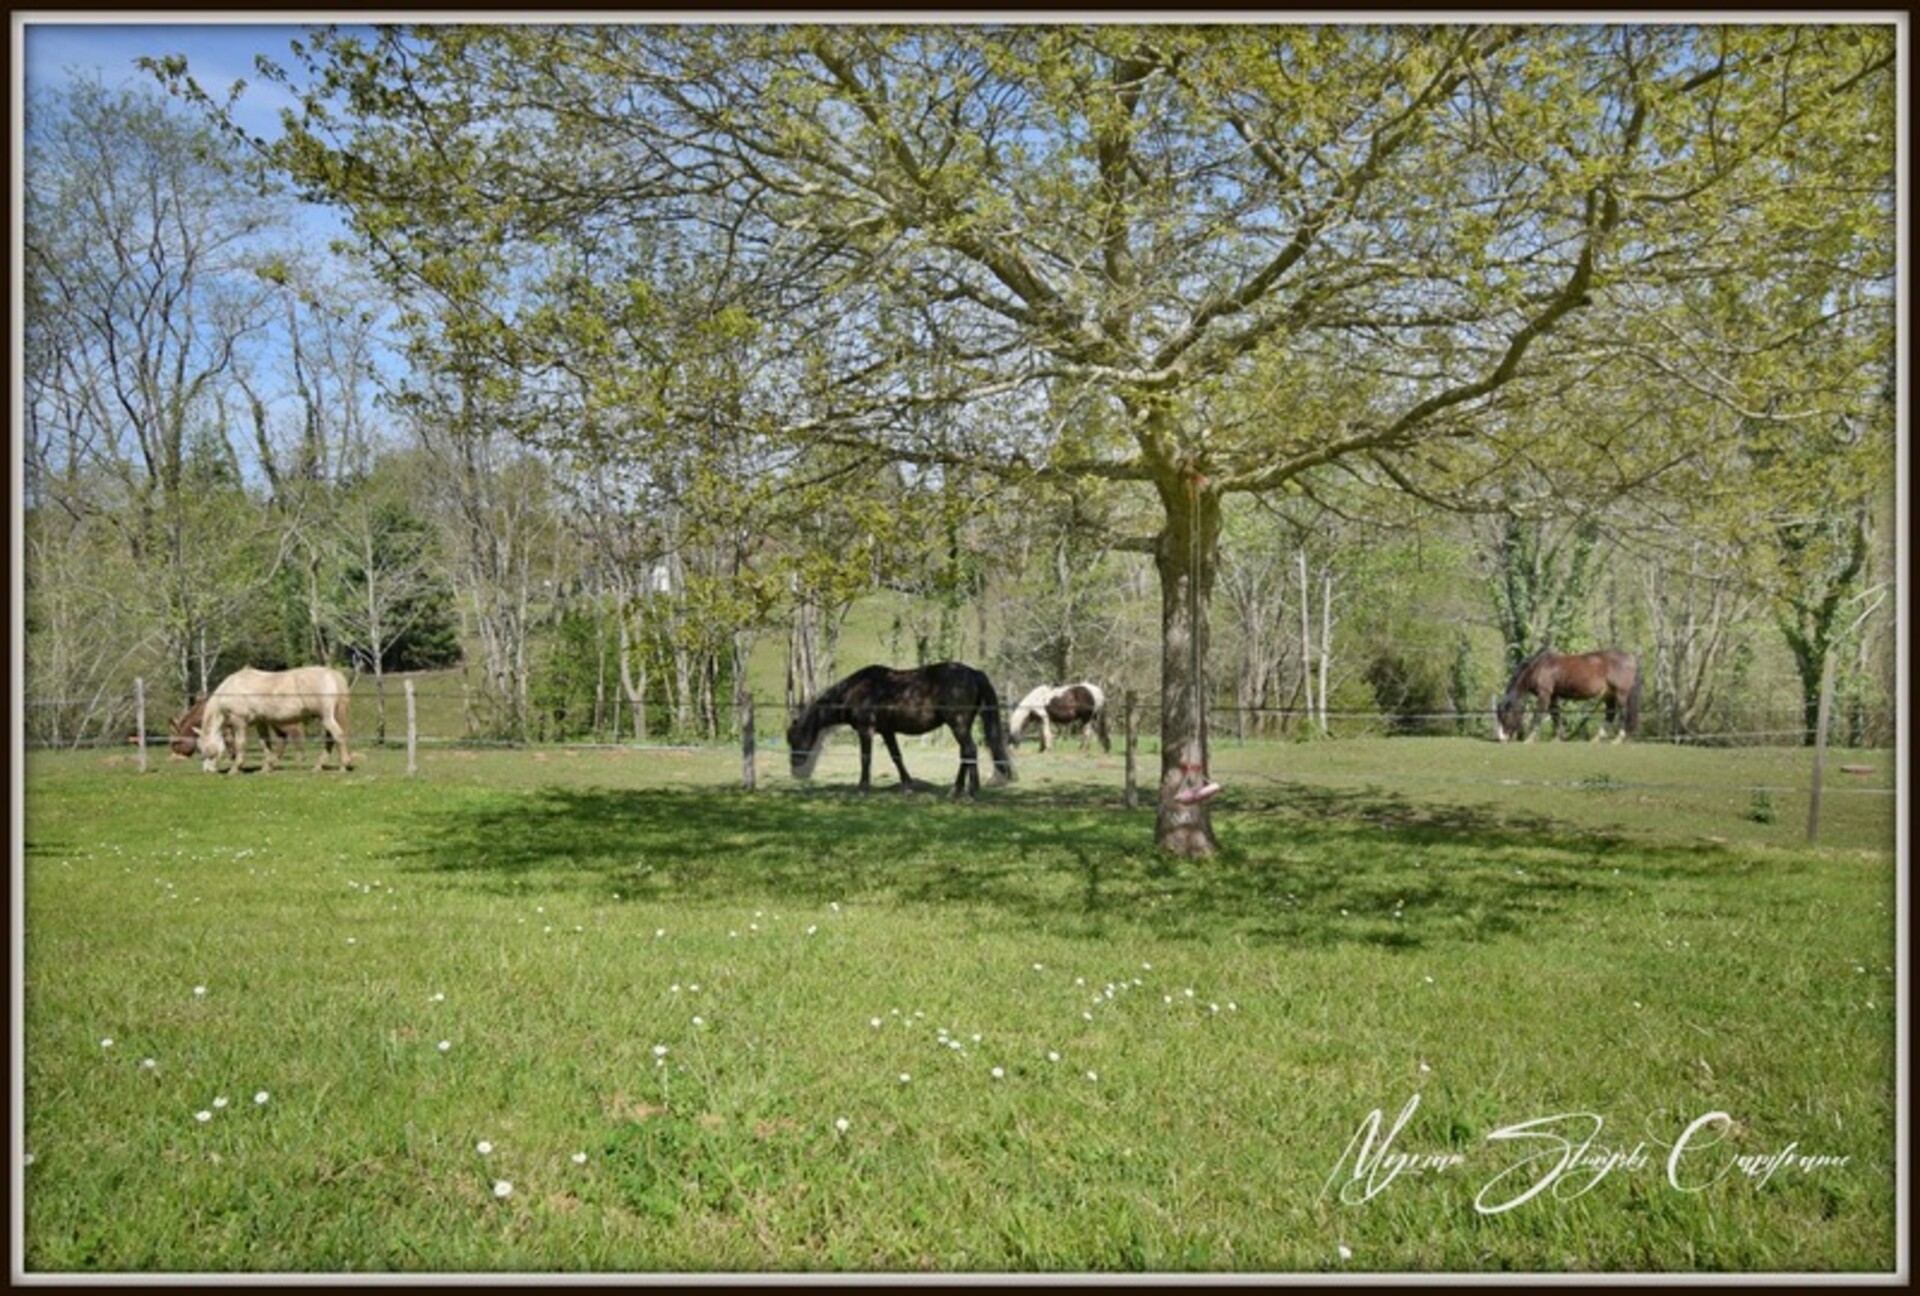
<point>815,714</point>
<point>834,693</point>
<point>1528,666</point>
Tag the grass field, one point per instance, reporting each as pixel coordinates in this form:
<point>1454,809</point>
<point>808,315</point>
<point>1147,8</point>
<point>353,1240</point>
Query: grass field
<point>598,1010</point>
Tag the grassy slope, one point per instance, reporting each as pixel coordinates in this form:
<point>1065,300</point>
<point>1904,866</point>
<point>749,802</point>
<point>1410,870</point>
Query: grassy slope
<point>1389,919</point>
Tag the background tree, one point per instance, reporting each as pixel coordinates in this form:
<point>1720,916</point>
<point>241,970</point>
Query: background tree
<point>144,246</point>
<point>384,583</point>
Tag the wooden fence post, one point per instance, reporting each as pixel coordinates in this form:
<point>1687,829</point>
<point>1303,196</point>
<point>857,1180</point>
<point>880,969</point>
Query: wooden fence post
<point>140,721</point>
<point>1133,743</point>
<point>413,730</point>
<point>746,742</point>
<point>1820,748</point>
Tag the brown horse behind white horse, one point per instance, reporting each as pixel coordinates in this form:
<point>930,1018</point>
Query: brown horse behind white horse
<point>259,700</point>
<point>1609,674</point>
<point>186,732</point>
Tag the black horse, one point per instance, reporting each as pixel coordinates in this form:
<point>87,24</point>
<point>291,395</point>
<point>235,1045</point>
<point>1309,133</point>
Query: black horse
<point>879,699</point>
<point>1547,677</point>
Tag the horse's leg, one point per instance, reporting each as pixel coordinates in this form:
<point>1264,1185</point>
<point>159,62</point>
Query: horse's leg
<point>333,738</point>
<point>866,759</point>
<point>1046,731</point>
<point>267,756</point>
<point>239,748</point>
<point>893,750</point>
<point>967,781</point>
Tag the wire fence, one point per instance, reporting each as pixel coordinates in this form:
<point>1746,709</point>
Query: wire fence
<point>81,723</point>
<point>757,724</point>
<point>112,722</point>
<point>1137,724</point>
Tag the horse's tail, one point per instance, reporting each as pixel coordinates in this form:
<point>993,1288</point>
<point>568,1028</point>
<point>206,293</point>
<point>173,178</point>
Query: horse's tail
<point>1630,713</point>
<point>995,732</point>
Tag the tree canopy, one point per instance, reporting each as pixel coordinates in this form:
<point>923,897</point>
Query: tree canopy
<point>1202,259</point>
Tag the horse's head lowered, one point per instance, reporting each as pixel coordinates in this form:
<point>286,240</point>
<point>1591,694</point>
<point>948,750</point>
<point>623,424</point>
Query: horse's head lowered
<point>186,729</point>
<point>1511,715</point>
<point>803,744</point>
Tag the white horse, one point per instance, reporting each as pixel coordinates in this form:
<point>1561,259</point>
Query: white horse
<point>259,699</point>
<point>1067,705</point>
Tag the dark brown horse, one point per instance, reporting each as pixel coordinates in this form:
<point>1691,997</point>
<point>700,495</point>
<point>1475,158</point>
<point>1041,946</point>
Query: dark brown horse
<point>882,700</point>
<point>1547,677</point>
<point>186,732</point>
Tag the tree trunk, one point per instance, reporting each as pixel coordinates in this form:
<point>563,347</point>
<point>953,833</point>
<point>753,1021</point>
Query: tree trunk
<point>1186,555</point>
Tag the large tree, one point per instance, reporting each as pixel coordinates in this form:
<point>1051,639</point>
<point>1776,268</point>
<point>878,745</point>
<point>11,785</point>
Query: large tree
<point>1202,260</point>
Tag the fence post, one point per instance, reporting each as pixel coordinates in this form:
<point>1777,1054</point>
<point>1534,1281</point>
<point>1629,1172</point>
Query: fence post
<point>413,730</point>
<point>140,720</point>
<point>1820,748</point>
<point>1132,734</point>
<point>746,742</point>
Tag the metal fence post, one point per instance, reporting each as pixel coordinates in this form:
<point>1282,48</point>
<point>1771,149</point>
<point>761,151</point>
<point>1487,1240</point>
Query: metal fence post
<point>1820,748</point>
<point>413,730</point>
<point>140,721</point>
<point>1133,742</point>
<point>746,742</point>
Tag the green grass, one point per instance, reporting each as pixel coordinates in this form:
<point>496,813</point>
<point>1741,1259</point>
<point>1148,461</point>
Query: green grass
<point>1508,934</point>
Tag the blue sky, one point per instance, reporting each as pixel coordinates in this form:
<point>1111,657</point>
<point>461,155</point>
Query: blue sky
<point>53,54</point>
<point>218,53</point>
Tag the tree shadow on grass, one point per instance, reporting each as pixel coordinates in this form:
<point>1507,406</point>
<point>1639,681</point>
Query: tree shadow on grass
<point>1302,865</point>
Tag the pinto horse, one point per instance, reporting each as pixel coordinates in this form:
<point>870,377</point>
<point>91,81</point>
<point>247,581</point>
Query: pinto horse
<point>1071,706</point>
<point>1547,677</point>
<point>262,699</point>
<point>879,699</point>
<point>186,732</point>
